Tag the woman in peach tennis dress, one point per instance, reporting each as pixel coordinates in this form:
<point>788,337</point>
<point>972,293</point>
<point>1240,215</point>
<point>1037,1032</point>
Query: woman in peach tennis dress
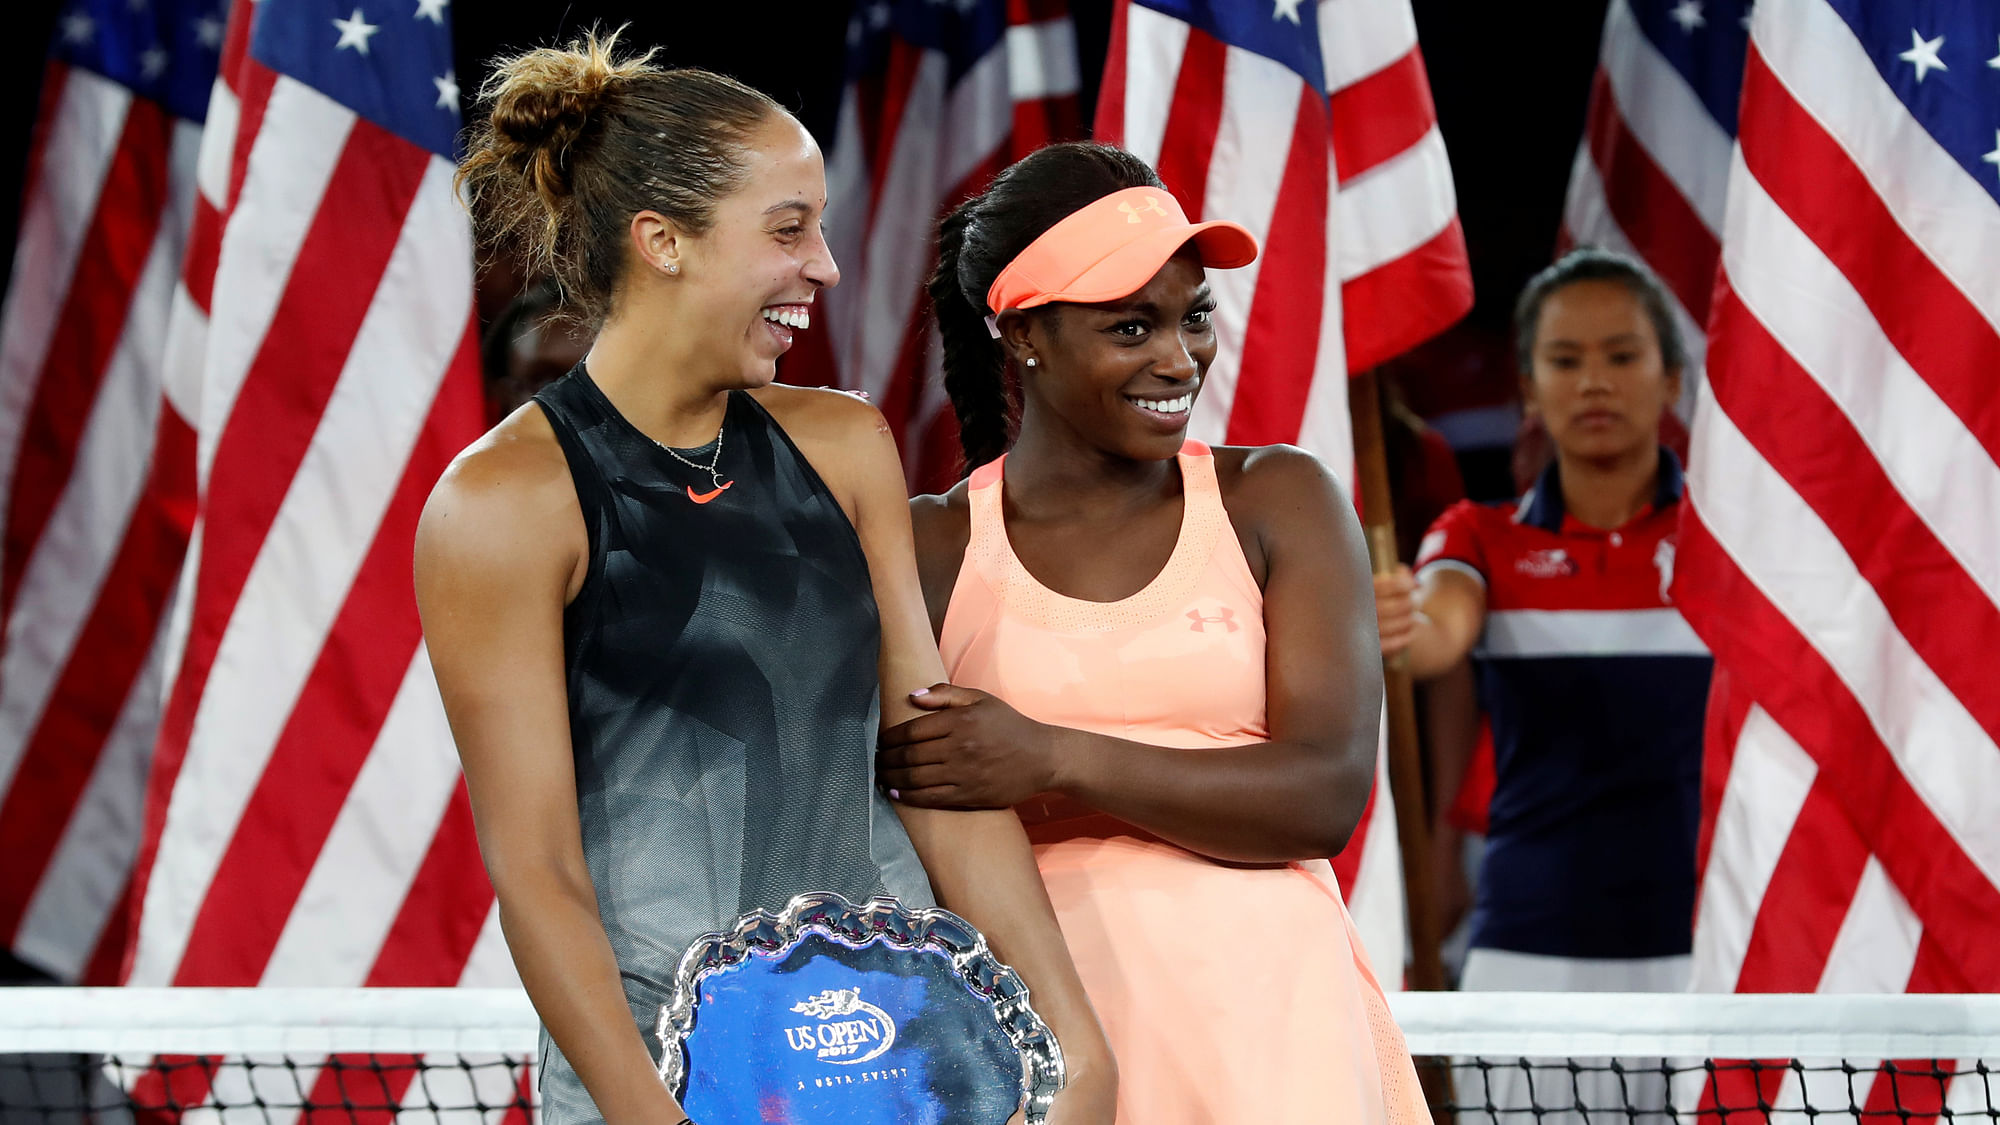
<point>1162,655</point>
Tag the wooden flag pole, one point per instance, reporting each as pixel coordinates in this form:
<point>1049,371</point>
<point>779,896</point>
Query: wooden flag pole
<point>1406,775</point>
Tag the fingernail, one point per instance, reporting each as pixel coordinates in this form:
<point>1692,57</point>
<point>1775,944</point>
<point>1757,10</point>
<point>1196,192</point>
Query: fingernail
<point>893,795</point>
<point>920,691</point>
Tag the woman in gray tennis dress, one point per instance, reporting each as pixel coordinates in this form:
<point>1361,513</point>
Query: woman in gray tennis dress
<point>670,604</point>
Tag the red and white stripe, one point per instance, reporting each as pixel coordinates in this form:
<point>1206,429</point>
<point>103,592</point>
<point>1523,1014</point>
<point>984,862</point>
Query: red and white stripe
<point>94,525</point>
<point>906,151</point>
<point>306,824</point>
<point>1651,177</point>
<point>1841,552</point>
<point>1349,192</point>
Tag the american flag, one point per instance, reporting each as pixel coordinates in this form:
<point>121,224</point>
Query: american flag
<point>306,823</point>
<point>1651,175</point>
<point>939,97</point>
<point>95,481</point>
<point>1311,123</point>
<point>1841,554</point>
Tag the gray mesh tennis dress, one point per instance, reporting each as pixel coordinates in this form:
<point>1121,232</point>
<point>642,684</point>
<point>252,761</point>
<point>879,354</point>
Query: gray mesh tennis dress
<point>723,696</point>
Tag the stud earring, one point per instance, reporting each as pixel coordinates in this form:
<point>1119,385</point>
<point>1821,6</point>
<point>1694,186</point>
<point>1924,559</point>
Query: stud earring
<point>1031,361</point>
<point>673,269</point>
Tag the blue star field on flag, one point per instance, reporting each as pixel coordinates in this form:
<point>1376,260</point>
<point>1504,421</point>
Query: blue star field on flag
<point>1284,31</point>
<point>165,50</point>
<point>965,31</point>
<point>387,60</point>
<point>1941,57</point>
<point>1707,42</point>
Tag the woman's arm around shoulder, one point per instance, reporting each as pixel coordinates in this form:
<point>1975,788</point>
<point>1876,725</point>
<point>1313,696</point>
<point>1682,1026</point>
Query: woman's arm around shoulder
<point>501,548</point>
<point>979,863</point>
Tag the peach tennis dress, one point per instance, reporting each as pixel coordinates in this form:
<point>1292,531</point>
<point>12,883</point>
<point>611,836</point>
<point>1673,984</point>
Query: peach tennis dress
<point>1232,994</point>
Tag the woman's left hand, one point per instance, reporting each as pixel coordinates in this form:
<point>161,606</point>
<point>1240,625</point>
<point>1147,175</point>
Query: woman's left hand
<point>970,752</point>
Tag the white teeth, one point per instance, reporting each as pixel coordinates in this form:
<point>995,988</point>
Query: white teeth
<point>790,317</point>
<point>1166,406</point>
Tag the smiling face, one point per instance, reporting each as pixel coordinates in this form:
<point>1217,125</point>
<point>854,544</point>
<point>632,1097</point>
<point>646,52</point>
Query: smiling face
<point>1598,380</point>
<point>1122,375</point>
<point>748,282</point>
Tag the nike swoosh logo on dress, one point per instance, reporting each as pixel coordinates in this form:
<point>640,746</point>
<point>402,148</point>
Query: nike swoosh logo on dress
<point>705,497</point>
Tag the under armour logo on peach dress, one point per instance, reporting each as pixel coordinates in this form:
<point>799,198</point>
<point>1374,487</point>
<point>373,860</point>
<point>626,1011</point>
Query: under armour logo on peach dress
<point>1134,210</point>
<point>1226,619</point>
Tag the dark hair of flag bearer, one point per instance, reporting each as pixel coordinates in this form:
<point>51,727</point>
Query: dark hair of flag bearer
<point>1595,685</point>
<point>1160,654</point>
<point>669,604</point>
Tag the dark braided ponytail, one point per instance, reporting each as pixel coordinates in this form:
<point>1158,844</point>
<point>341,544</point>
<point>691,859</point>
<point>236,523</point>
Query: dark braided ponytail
<point>974,376</point>
<point>977,240</point>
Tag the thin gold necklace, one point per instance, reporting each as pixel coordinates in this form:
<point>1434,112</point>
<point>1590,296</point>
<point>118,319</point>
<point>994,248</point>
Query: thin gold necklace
<point>714,475</point>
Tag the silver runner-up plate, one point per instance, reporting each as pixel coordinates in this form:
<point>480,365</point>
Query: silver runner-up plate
<point>829,1013</point>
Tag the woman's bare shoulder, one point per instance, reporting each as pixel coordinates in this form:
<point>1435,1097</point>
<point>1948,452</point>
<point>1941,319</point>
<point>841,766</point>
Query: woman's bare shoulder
<point>1268,480</point>
<point>846,439</point>
<point>1281,496</point>
<point>818,412</point>
<point>507,493</point>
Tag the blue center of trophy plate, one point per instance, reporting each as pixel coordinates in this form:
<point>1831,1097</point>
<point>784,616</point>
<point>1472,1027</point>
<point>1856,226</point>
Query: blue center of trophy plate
<point>829,1034</point>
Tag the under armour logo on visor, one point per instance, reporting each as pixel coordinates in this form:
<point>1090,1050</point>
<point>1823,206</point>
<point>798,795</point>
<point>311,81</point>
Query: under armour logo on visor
<point>1226,619</point>
<point>1134,210</point>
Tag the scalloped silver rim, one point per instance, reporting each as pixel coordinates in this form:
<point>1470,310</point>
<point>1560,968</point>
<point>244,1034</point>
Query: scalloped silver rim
<point>834,916</point>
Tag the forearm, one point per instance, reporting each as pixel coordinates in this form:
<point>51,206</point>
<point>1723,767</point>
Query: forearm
<point>1450,613</point>
<point>571,975</point>
<point>981,868</point>
<point>1264,803</point>
<point>1451,733</point>
<point>1433,650</point>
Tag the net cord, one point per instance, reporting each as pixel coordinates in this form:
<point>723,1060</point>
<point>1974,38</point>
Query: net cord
<point>307,1021</point>
<point>275,1021</point>
<point>1707,1025</point>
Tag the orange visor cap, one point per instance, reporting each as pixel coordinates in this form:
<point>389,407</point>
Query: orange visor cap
<point>1111,249</point>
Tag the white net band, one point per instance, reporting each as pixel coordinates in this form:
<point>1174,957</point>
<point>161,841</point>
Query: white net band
<point>1549,1024</point>
<point>266,1021</point>
<point>1749,1026</point>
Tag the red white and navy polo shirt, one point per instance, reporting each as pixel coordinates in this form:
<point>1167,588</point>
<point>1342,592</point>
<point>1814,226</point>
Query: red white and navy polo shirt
<point>1596,688</point>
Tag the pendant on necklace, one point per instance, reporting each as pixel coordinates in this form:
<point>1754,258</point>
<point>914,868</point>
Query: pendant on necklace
<point>705,497</point>
<point>714,478</point>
